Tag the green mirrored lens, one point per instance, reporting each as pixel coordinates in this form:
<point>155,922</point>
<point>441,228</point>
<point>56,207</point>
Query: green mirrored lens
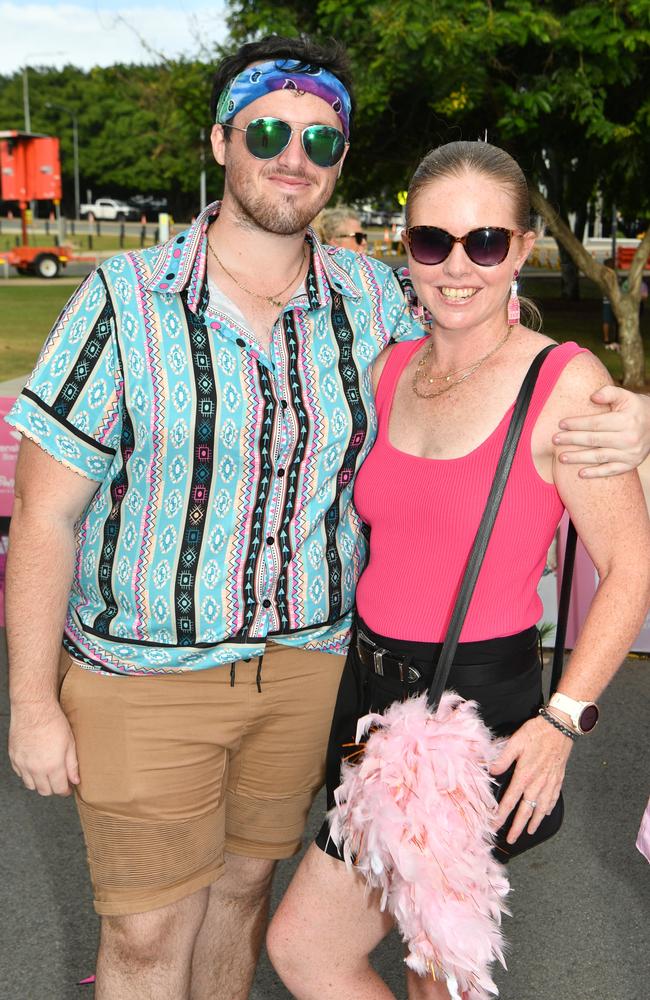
<point>267,137</point>
<point>323,145</point>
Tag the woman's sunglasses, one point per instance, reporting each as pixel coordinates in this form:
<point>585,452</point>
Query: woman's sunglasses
<point>359,237</point>
<point>487,246</point>
<point>268,137</point>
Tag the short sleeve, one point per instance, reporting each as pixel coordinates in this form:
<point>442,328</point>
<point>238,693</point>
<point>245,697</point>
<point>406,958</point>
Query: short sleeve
<point>402,324</point>
<point>70,405</point>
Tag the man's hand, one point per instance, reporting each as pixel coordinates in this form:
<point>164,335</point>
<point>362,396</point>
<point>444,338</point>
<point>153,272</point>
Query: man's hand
<point>42,749</point>
<point>609,443</point>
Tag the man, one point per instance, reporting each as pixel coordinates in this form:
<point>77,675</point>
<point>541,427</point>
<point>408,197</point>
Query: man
<point>184,502</point>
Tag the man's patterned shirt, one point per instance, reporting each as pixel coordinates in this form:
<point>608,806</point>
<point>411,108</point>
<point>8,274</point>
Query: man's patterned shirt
<point>224,510</point>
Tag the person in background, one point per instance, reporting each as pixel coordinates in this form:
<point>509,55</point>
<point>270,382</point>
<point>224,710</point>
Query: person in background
<point>340,227</point>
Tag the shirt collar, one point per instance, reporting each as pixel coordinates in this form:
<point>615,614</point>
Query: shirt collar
<point>182,266</point>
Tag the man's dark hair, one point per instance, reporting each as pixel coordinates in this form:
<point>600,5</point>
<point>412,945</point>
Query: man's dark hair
<point>328,54</point>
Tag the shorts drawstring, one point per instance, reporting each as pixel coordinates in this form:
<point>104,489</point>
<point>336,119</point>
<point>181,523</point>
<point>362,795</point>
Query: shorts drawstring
<point>258,678</point>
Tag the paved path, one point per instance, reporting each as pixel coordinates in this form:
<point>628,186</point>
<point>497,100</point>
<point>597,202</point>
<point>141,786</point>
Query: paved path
<point>581,903</point>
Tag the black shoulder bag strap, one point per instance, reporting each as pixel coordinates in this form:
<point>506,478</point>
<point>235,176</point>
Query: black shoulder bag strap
<point>483,537</point>
<point>563,608</point>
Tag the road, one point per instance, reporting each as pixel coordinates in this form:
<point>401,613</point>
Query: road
<point>580,903</point>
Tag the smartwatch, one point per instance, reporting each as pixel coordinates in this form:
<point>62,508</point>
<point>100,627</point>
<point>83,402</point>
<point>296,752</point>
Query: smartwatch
<point>583,714</point>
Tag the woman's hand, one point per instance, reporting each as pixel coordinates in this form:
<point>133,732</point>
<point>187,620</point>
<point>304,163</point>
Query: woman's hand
<point>541,753</point>
<point>609,443</point>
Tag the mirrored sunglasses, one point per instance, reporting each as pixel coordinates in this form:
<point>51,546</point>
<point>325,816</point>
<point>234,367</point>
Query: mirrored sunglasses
<point>268,137</point>
<point>359,237</point>
<point>487,246</point>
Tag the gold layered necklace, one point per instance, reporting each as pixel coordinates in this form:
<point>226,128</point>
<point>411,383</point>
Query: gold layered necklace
<point>275,299</point>
<point>449,379</point>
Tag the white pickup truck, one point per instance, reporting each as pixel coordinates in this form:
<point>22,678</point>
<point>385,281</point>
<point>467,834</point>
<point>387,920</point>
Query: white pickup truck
<point>111,209</point>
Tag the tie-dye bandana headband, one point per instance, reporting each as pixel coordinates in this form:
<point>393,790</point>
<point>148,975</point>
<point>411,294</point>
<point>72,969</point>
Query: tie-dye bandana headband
<point>284,74</point>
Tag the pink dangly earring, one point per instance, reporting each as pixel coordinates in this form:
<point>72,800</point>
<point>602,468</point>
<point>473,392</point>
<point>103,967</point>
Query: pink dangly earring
<point>421,314</point>
<point>514,311</point>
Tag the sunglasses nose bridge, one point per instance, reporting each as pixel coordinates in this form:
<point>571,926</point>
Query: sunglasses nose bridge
<point>457,261</point>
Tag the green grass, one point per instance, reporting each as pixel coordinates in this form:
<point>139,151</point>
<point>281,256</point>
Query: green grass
<point>27,312</point>
<point>79,242</point>
<point>26,315</point>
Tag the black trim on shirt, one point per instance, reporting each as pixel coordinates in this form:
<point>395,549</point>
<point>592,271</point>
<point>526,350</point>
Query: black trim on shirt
<point>201,472</point>
<point>350,381</point>
<point>75,430</point>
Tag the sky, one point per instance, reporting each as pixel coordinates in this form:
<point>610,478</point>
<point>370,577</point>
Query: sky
<point>89,33</point>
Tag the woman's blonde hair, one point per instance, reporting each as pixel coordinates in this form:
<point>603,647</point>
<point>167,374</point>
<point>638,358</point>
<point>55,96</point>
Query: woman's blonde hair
<point>456,158</point>
<point>328,223</point>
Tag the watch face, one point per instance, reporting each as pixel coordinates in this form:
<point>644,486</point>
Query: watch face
<point>588,718</point>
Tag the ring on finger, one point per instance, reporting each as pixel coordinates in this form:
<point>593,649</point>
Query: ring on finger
<point>531,802</point>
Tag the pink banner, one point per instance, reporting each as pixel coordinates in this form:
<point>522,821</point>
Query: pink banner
<point>9,442</point>
<point>585,582</point>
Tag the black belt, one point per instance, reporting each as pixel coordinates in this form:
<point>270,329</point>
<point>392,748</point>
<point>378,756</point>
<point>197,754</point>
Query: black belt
<point>385,663</point>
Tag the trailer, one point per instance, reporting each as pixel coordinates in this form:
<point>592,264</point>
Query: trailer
<point>30,170</point>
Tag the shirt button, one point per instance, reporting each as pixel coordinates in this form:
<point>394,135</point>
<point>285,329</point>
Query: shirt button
<point>240,342</point>
<point>266,603</point>
<point>170,276</point>
<point>270,540</point>
<point>283,404</point>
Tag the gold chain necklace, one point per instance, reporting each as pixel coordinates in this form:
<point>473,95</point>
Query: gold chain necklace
<point>275,299</point>
<point>448,376</point>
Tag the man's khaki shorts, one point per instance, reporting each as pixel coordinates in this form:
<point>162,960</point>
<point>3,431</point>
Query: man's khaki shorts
<point>178,768</point>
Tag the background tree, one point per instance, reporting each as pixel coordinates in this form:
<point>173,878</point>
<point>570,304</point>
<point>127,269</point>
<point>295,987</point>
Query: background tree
<point>564,86</point>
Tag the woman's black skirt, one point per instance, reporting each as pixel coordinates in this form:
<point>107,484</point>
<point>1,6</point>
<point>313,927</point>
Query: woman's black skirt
<point>504,676</point>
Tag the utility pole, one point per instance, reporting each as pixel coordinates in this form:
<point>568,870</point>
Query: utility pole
<point>75,150</point>
<point>202,192</point>
<point>31,55</point>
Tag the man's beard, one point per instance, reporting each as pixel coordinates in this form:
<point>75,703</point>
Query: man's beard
<point>281,215</point>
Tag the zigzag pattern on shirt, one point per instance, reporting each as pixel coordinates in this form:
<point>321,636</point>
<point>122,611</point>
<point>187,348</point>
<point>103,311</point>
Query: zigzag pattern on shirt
<point>294,469</point>
<point>374,291</point>
<point>151,345</point>
<point>253,569</point>
<point>234,577</point>
<point>309,471</point>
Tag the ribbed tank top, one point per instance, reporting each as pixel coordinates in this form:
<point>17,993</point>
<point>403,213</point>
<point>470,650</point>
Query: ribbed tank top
<point>423,514</point>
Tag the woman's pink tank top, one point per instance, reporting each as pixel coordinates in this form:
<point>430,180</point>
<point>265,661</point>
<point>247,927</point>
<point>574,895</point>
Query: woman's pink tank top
<point>423,514</point>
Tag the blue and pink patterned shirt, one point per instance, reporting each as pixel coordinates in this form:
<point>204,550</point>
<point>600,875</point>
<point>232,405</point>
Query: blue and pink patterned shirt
<point>223,513</point>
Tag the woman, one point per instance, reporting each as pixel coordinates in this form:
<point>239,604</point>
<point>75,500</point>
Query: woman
<point>340,227</point>
<point>443,407</point>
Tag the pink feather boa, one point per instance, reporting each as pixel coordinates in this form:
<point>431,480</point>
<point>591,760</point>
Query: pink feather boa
<point>415,814</point>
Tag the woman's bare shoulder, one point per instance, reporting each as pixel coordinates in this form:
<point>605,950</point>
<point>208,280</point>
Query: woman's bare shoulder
<point>379,365</point>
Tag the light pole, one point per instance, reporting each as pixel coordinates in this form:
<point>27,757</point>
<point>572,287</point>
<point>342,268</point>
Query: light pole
<point>31,55</point>
<point>75,150</point>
